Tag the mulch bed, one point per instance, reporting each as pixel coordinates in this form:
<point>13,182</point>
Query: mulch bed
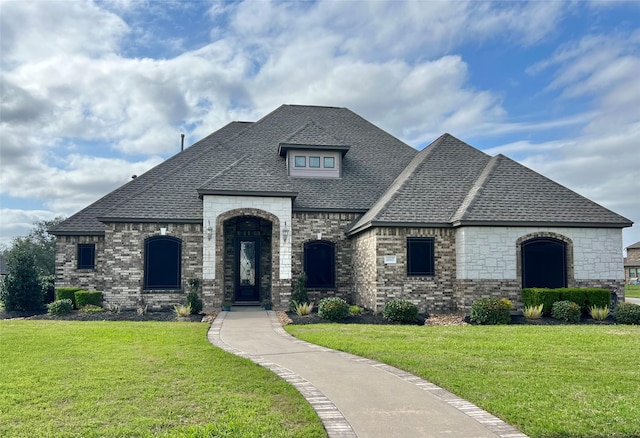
<point>123,315</point>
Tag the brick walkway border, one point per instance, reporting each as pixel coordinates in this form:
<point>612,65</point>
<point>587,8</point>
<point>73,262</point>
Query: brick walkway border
<point>333,420</point>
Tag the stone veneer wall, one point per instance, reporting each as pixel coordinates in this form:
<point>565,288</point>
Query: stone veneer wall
<point>390,281</point>
<point>124,263</point>
<point>67,272</point>
<point>305,227</point>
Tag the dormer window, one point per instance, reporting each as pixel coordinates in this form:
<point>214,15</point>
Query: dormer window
<point>314,163</point>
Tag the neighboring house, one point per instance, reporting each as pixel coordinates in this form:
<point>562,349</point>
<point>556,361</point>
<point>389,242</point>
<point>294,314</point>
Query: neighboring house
<point>367,217</point>
<point>3,266</point>
<point>632,264</point>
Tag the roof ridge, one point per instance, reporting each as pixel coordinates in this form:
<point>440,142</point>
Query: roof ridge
<point>475,190</point>
<point>398,183</point>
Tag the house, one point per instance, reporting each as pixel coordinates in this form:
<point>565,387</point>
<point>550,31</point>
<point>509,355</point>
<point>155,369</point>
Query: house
<point>632,264</point>
<point>365,216</point>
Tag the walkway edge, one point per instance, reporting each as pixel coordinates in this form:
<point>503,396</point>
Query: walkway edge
<point>332,419</point>
<point>491,422</point>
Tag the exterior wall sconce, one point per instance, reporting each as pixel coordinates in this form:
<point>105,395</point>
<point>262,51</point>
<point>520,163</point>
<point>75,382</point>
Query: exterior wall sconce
<point>209,232</point>
<point>285,232</point>
<point>163,231</point>
<point>319,236</point>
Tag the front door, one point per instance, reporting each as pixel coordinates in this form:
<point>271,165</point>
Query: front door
<point>247,274</point>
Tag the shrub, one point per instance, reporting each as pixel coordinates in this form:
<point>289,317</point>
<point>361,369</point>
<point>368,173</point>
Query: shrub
<point>333,309</point>
<point>628,313</point>
<point>402,311</point>
<point>355,310</point>
<point>67,293</point>
<point>536,296</point>
<point>566,311</point>
<point>194,302</point>
<point>47,283</point>
<point>299,293</point>
<point>21,289</point>
<point>303,309</point>
<point>60,307</point>
<point>86,297</point>
<point>533,312</point>
<point>584,297</point>
<point>113,308</point>
<point>182,310</point>
<point>490,311</point>
<point>599,313</point>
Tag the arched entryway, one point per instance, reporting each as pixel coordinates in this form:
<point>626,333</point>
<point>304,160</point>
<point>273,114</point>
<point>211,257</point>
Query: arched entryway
<point>247,259</point>
<point>544,263</point>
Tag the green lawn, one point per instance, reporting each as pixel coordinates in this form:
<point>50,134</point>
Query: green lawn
<point>632,290</point>
<point>133,379</point>
<point>549,381</point>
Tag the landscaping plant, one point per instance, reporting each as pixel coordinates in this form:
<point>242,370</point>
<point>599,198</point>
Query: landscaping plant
<point>533,312</point>
<point>182,310</point>
<point>303,309</point>
<point>489,311</point>
<point>193,299</point>
<point>333,309</point>
<point>628,313</point>
<point>566,311</point>
<point>355,310</point>
<point>299,293</point>
<point>85,297</point>
<point>402,311</point>
<point>60,307</point>
<point>599,313</point>
<point>21,289</point>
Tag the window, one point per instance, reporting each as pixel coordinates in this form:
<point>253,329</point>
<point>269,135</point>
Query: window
<point>544,263</point>
<point>162,263</point>
<point>314,161</point>
<point>86,256</point>
<point>301,161</point>
<point>320,264</point>
<point>420,259</point>
<point>634,272</point>
<point>329,162</point>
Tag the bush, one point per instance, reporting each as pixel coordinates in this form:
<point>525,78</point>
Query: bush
<point>60,307</point>
<point>21,289</point>
<point>490,311</point>
<point>87,297</point>
<point>299,293</point>
<point>182,311</point>
<point>402,311</point>
<point>355,310</point>
<point>303,309</point>
<point>90,308</point>
<point>566,311</point>
<point>194,300</point>
<point>584,297</point>
<point>628,313</point>
<point>333,309</point>
<point>47,283</point>
<point>67,293</point>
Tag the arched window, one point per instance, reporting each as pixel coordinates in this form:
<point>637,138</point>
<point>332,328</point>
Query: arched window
<point>162,263</point>
<point>320,264</point>
<point>544,263</point>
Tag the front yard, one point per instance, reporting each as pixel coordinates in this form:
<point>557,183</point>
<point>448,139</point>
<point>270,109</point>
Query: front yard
<point>138,379</point>
<point>632,290</point>
<point>549,381</point>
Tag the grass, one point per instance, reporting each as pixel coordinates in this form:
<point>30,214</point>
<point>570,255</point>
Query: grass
<point>632,290</point>
<point>138,379</point>
<point>549,381</point>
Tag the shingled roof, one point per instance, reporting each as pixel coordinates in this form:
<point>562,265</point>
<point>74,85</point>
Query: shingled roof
<point>449,183</point>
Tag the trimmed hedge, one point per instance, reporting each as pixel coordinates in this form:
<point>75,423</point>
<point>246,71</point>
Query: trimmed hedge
<point>67,293</point>
<point>627,313</point>
<point>86,297</point>
<point>583,297</point>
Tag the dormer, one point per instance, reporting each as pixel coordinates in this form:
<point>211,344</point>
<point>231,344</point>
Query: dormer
<point>312,152</point>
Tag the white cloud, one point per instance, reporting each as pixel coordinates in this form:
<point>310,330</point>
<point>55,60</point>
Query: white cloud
<point>16,222</point>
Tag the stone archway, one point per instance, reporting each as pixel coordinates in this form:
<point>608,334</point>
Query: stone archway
<point>545,260</point>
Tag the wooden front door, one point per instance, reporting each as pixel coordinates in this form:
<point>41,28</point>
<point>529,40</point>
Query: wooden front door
<point>247,275</point>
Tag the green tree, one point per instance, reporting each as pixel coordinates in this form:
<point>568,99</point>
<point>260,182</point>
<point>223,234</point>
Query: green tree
<point>40,244</point>
<point>21,289</point>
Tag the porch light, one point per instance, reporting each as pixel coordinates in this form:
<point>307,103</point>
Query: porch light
<point>209,232</point>
<point>163,231</point>
<point>285,232</point>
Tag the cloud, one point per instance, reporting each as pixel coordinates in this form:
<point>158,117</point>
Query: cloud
<point>16,222</point>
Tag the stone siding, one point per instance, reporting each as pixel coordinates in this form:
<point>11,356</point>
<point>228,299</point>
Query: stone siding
<point>305,228</point>
<point>365,269</point>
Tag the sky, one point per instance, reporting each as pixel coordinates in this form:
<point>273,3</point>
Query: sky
<point>94,92</point>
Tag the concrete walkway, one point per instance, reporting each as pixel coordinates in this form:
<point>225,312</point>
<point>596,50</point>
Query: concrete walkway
<point>354,397</point>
